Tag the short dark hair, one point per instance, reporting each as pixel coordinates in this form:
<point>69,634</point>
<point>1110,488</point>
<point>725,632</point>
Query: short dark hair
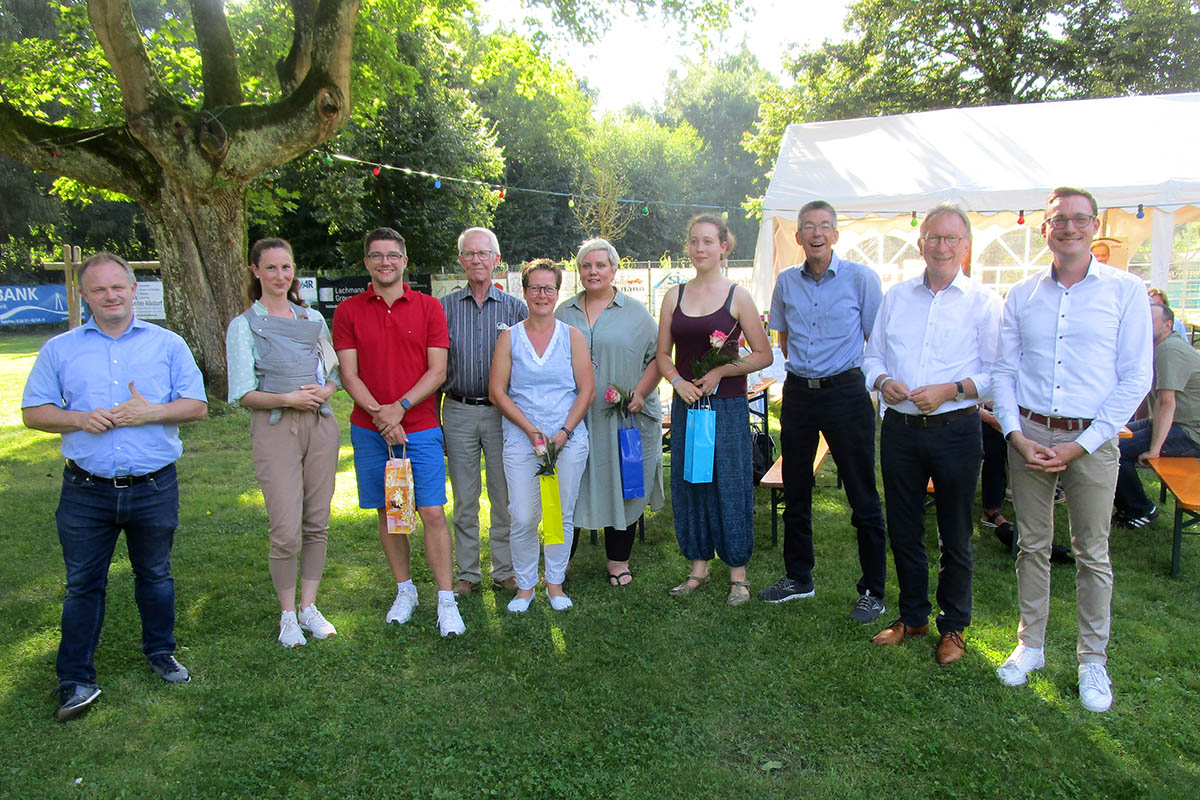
<point>1167,313</point>
<point>541,263</point>
<point>817,205</point>
<point>1069,191</point>
<point>383,235</point>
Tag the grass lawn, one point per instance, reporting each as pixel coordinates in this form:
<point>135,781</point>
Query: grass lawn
<point>632,693</point>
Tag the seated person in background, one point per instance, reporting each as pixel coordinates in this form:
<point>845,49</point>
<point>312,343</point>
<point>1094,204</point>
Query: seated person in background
<point>1179,326</point>
<point>1173,429</point>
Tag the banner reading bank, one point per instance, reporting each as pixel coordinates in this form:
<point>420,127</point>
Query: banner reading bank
<point>27,305</point>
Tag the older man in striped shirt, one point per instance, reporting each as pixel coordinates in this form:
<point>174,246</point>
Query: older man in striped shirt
<point>475,315</point>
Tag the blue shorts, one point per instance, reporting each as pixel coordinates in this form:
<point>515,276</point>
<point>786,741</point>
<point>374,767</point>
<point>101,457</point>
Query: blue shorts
<point>424,449</point>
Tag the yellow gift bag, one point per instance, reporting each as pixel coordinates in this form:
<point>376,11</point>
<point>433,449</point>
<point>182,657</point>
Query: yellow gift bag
<point>552,524</point>
<point>398,492</point>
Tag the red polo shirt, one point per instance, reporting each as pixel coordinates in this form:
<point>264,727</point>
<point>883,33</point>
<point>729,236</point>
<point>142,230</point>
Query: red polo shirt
<point>391,342</point>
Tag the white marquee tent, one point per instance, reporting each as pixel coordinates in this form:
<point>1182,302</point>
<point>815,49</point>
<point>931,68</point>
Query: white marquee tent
<point>995,162</point>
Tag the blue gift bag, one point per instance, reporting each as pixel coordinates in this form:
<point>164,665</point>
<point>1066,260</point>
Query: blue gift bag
<point>629,442</point>
<point>701,439</point>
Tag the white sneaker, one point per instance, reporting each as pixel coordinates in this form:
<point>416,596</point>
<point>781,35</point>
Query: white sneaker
<point>450,622</point>
<point>314,622</point>
<point>560,603</point>
<point>289,630</point>
<point>1023,661</point>
<point>1095,688</point>
<point>403,607</point>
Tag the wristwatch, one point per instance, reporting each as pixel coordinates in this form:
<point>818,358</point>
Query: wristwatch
<point>405,403</point>
<point>960,394</point>
<point>568,432</point>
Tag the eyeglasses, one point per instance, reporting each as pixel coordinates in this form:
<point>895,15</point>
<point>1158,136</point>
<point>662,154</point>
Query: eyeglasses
<point>467,255</point>
<point>952,240</point>
<point>376,258</point>
<point>824,227</point>
<point>1079,221</point>
<point>545,290</point>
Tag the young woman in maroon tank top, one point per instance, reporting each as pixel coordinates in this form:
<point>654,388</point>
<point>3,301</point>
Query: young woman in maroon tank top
<point>719,515</point>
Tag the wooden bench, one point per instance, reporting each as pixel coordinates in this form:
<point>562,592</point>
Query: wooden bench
<point>773,480</point>
<point>1180,476</point>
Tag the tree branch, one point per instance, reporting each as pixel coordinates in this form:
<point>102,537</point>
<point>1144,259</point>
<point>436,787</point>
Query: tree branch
<point>294,68</point>
<point>118,34</point>
<point>310,114</point>
<point>107,158</point>
<point>218,58</point>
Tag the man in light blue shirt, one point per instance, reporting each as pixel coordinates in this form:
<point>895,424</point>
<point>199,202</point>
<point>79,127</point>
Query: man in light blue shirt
<point>823,310</point>
<point>116,389</point>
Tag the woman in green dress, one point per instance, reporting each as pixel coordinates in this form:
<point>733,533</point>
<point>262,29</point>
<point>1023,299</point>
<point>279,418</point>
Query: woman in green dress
<point>622,338</point>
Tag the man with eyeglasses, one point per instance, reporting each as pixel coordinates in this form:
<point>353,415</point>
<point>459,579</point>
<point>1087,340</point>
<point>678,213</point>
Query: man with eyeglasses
<point>1074,364</point>
<point>823,310</point>
<point>931,355</point>
<point>476,314</point>
<point>391,343</point>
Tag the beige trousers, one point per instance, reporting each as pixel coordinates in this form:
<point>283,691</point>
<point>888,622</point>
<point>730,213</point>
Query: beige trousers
<point>1089,482</point>
<point>295,462</point>
<point>469,432</point>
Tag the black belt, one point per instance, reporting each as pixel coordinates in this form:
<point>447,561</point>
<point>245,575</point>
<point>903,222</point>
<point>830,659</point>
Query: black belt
<point>470,401</point>
<point>118,482</point>
<point>849,376</point>
<point>930,420</point>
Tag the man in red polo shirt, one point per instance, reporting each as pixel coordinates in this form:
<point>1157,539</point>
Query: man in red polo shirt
<point>392,344</point>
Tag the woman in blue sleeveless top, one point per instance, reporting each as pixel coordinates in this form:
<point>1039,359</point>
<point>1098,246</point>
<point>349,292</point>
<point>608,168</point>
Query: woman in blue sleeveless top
<point>282,366</point>
<point>542,382</point>
<point>718,516</point>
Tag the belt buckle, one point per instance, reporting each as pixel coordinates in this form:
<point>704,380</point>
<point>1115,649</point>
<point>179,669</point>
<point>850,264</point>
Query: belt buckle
<point>814,383</point>
<point>122,481</point>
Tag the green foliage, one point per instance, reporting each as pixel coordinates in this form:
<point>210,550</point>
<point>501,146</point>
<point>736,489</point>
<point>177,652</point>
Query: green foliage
<point>542,119</point>
<point>904,56</point>
<point>428,126</point>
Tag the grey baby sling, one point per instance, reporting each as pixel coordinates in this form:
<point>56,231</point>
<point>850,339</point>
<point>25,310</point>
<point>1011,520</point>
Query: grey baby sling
<point>288,353</point>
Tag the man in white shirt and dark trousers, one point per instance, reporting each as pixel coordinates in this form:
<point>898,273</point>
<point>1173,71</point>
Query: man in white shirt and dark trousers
<point>1074,364</point>
<point>930,355</point>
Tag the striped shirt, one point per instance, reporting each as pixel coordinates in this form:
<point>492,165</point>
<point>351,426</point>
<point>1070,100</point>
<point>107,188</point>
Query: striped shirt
<point>473,332</point>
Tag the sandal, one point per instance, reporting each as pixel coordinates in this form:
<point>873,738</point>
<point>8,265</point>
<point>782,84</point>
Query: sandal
<point>739,592</point>
<point>993,520</point>
<point>614,578</point>
<point>690,584</point>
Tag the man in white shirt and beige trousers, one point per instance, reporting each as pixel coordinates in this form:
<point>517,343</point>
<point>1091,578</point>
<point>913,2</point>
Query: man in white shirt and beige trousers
<point>1074,364</point>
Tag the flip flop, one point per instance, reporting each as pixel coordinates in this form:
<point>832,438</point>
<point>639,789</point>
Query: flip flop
<point>614,579</point>
<point>989,520</point>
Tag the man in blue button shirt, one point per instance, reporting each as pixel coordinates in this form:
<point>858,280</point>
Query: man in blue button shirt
<point>823,310</point>
<point>116,389</point>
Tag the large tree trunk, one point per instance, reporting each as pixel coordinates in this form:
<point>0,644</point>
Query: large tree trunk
<point>201,237</point>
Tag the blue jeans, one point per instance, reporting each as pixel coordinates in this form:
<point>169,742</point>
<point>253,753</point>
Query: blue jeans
<point>1131,498</point>
<point>91,515</point>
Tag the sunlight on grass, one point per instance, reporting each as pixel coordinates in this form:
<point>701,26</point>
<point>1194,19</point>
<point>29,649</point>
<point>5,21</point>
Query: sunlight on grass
<point>560,642</point>
<point>38,646</point>
<point>345,494</point>
<point>490,612</point>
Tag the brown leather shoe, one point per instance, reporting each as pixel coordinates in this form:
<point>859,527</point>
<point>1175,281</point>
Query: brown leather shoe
<point>897,632</point>
<point>950,648</point>
<point>464,588</point>
<point>509,583</point>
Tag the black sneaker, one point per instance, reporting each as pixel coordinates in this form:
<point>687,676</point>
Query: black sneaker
<point>867,608</point>
<point>1142,521</point>
<point>787,589</point>
<point>75,699</point>
<point>170,670</point>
